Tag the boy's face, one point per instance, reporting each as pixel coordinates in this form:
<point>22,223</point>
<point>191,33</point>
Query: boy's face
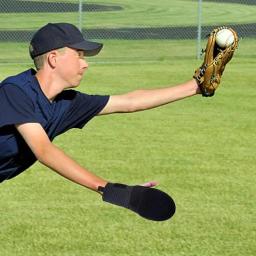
<point>70,66</point>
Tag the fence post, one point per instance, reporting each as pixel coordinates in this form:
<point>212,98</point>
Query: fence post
<point>199,29</point>
<point>80,14</point>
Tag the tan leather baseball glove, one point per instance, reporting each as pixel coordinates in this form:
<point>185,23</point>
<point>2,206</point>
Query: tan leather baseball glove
<point>208,75</point>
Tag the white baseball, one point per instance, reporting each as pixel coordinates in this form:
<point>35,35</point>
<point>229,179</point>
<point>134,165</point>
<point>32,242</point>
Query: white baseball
<point>224,38</point>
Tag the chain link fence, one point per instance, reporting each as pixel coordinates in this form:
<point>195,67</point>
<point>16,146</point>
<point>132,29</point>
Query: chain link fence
<point>19,19</point>
<point>187,27</point>
<point>128,19</point>
<point>117,20</point>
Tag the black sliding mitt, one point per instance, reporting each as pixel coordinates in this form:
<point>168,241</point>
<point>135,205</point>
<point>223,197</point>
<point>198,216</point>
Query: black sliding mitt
<point>150,203</point>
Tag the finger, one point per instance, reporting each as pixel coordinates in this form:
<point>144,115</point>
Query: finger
<point>150,184</point>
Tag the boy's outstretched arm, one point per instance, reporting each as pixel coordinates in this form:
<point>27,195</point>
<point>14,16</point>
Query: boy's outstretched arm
<point>54,158</point>
<point>149,203</point>
<point>150,98</point>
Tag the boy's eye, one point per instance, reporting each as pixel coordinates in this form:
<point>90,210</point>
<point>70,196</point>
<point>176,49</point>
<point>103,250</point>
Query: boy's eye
<point>81,54</point>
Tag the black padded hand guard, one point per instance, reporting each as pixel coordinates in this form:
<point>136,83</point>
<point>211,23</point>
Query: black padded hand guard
<point>150,203</point>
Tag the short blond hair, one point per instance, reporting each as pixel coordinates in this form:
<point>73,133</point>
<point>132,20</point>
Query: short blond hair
<point>40,60</point>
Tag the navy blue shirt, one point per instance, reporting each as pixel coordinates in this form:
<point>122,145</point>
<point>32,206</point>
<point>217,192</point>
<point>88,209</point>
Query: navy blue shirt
<point>22,101</point>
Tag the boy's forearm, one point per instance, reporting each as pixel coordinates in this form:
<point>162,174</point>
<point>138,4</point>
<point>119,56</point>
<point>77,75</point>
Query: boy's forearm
<point>58,161</point>
<point>146,99</point>
<point>149,98</point>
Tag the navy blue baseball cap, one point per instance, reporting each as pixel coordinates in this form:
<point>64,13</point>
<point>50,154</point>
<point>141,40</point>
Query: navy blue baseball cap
<point>58,35</point>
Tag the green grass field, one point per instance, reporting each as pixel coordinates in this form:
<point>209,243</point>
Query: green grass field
<point>201,150</point>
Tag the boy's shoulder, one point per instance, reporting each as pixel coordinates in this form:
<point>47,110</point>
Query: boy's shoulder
<point>20,79</point>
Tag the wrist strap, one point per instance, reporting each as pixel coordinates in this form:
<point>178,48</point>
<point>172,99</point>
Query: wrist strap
<point>100,189</point>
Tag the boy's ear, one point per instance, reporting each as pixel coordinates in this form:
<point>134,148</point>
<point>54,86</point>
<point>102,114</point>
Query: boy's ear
<point>52,58</point>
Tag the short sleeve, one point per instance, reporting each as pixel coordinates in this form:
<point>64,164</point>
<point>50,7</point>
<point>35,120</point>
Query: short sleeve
<point>15,106</point>
<point>82,109</point>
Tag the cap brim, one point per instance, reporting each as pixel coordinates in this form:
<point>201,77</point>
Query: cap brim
<point>90,48</point>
